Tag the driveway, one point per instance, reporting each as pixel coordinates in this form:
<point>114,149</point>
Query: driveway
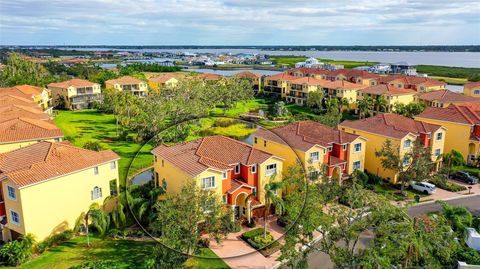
<point>238,254</point>
<point>442,194</point>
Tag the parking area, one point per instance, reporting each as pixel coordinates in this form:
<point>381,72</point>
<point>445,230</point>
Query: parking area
<point>442,194</point>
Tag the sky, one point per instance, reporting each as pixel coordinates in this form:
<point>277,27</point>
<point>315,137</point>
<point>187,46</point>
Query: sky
<point>239,22</point>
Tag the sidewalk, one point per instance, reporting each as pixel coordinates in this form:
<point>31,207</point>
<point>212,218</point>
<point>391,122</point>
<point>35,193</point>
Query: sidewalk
<point>238,254</point>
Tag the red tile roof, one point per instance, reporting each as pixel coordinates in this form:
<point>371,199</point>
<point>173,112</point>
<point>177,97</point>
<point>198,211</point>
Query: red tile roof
<point>391,125</point>
<point>125,80</point>
<point>46,160</point>
<point>308,71</point>
<point>216,152</point>
<point>163,78</point>
<point>6,100</point>
<point>471,85</point>
<point>464,114</point>
<point>25,129</point>
<point>248,74</point>
<point>446,96</point>
<point>25,91</point>
<point>77,83</point>
<point>304,135</point>
<point>411,80</point>
<point>9,112</point>
<point>308,81</point>
<point>385,89</point>
<point>354,73</point>
<point>282,76</point>
<point>209,76</point>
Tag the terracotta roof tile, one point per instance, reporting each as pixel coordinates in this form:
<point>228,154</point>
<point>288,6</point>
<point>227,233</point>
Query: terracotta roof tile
<point>217,152</point>
<point>385,89</point>
<point>209,76</point>
<point>46,160</point>
<point>125,80</point>
<point>162,78</point>
<point>465,113</point>
<point>282,76</point>
<point>24,129</point>
<point>304,135</point>
<point>471,85</point>
<point>248,74</point>
<point>446,96</point>
<point>391,125</point>
<point>6,100</point>
<point>77,83</point>
<point>9,112</point>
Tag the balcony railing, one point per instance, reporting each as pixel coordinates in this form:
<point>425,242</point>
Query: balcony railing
<point>86,98</point>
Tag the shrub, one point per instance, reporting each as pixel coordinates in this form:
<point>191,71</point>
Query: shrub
<point>259,241</point>
<point>252,233</point>
<point>19,251</point>
<point>250,224</point>
<point>54,240</point>
<point>92,145</point>
<point>468,255</point>
<point>446,185</point>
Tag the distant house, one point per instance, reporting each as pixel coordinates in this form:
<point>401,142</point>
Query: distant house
<point>209,77</point>
<point>419,84</point>
<point>159,82</point>
<point>75,94</point>
<point>404,69</point>
<point>46,186</point>
<point>278,85</point>
<point>393,95</point>
<point>39,95</point>
<point>443,98</point>
<point>472,89</point>
<point>128,84</point>
<point>20,132</point>
<point>255,78</point>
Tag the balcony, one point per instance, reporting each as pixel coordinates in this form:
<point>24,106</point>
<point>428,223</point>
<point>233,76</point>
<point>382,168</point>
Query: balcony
<point>86,98</point>
<point>84,91</point>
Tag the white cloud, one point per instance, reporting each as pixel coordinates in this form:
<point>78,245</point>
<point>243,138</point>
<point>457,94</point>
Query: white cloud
<point>240,22</point>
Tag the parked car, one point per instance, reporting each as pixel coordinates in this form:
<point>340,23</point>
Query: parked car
<point>425,187</point>
<point>464,177</point>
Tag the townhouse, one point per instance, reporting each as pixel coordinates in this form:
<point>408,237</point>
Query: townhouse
<point>342,89</point>
<point>6,100</point>
<point>298,89</point>
<point>402,132</point>
<point>355,76</point>
<point>128,84</point>
<point>393,95</point>
<point>254,78</point>
<point>317,147</point>
<point>311,72</point>
<point>46,186</point>
<point>472,89</point>
<point>167,80</point>
<point>278,86</point>
<point>463,127</point>
<point>444,98</point>
<point>230,168</point>
<point>20,132</point>
<point>75,94</point>
<point>419,84</point>
<point>38,95</point>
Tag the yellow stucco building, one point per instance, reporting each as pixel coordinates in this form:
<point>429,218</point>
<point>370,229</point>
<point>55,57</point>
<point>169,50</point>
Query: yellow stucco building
<point>167,80</point>
<point>46,186</point>
<point>75,94</point>
<point>401,131</point>
<point>315,146</point>
<point>444,98</point>
<point>463,127</point>
<point>38,95</point>
<point>472,89</point>
<point>128,84</point>
<point>230,168</point>
<point>278,85</point>
<point>393,95</point>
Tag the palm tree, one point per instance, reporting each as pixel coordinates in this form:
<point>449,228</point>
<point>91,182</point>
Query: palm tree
<point>271,198</point>
<point>142,198</point>
<point>364,106</point>
<point>381,104</point>
<point>332,104</point>
<point>98,218</point>
<point>452,158</point>
<point>344,104</point>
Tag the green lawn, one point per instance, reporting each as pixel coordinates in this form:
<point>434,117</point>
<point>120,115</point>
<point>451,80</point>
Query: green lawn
<point>91,125</point>
<point>127,253</point>
<point>234,112</point>
<point>392,193</point>
<point>211,260</point>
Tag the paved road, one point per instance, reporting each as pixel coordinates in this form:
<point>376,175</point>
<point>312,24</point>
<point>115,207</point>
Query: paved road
<point>470,202</point>
<point>318,260</point>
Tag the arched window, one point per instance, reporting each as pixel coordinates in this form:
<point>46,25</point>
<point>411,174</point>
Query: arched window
<point>96,193</point>
<point>164,184</point>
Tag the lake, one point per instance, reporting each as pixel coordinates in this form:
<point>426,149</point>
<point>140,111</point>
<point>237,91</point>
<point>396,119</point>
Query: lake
<point>459,59</point>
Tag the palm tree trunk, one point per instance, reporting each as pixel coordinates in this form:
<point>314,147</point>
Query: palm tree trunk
<point>265,221</point>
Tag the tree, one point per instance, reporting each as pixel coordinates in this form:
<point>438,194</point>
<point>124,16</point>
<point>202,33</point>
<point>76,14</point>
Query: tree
<point>230,91</point>
<point>452,158</point>
<point>92,145</point>
<point>332,105</point>
<point>280,110</point>
<point>315,100</point>
<point>364,107</point>
<point>458,216</point>
<point>182,218</point>
<point>414,165</point>
<point>380,104</point>
<point>331,119</point>
<point>344,103</point>
<point>271,198</point>
<point>409,110</point>
<point>96,217</point>
<point>18,251</point>
<point>19,70</point>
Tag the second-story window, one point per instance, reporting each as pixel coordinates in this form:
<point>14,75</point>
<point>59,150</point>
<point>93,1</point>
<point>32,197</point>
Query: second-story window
<point>95,170</point>
<point>255,140</point>
<point>406,161</point>
<point>344,147</point>
<point>12,193</point>
<point>271,169</point>
<point>164,184</point>
<point>315,156</point>
<point>254,169</point>
<point>407,143</point>
<point>224,175</point>
<point>96,193</point>
<point>113,165</point>
<point>439,136</point>
<point>208,182</point>
<point>237,169</point>
<point>357,147</point>
<point>438,152</point>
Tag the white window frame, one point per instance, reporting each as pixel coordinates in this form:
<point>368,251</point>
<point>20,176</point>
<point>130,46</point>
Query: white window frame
<point>224,175</point>
<point>476,92</point>
<point>317,156</point>
<point>406,160</point>
<point>439,136</point>
<point>14,198</point>
<point>268,171</point>
<point>407,141</point>
<point>254,191</point>
<point>344,147</point>
<point>208,185</point>
<point>355,149</point>
<point>355,164</point>
<point>254,169</point>
<point>113,165</point>
<point>237,166</point>
<point>313,175</point>
<point>96,170</point>
<point>439,152</point>
<point>96,195</point>
<point>12,218</point>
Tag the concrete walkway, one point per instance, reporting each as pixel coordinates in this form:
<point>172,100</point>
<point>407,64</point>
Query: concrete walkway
<point>238,254</point>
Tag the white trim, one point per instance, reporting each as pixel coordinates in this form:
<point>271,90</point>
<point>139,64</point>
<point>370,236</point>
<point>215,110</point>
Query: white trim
<point>8,193</point>
<point>253,167</point>
<point>18,214</point>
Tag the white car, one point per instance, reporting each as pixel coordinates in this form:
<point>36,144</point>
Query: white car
<point>425,187</point>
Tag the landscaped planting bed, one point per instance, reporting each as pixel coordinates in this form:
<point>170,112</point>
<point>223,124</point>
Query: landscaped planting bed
<point>265,245</point>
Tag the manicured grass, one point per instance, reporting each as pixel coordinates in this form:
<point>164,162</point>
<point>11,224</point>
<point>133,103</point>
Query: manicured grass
<point>454,81</point>
<point>80,127</point>
<point>211,260</point>
<point>393,194</point>
<point>243,107</point>
<point>127,253</point>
